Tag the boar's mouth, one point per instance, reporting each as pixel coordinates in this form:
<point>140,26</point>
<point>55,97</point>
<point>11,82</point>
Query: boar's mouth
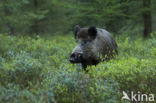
<point>83,61</point>
<point>77,60</point>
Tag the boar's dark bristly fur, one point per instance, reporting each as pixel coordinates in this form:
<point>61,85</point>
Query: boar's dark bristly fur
<point>92,44</point>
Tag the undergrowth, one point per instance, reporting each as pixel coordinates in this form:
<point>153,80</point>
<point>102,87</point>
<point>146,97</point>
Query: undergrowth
<point>37,70</point>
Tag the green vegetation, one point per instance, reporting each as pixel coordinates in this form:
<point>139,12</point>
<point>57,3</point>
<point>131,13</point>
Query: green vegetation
<point>37,70</point>
<point>36,40</point>
<point>60,16</point>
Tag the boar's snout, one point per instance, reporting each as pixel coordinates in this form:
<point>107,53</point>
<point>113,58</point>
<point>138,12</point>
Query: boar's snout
<point>76,57</point>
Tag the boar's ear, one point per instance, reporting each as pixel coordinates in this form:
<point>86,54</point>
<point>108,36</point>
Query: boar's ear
<point>76,29</point>
<point>92,31</point>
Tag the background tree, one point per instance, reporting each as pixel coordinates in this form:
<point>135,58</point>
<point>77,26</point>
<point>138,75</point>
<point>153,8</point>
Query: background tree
<point>50,17</point>
<point>147,17</point>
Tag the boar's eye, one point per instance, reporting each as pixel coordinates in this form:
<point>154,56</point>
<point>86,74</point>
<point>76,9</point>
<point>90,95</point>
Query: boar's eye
<point>84,43</point>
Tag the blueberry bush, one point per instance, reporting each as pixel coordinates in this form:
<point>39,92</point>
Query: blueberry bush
<point>37,70</point>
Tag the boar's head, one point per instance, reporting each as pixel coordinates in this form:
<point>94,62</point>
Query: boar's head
<point>85,52</point>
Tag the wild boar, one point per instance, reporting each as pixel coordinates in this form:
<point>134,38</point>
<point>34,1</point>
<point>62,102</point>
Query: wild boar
<point>92,44</point>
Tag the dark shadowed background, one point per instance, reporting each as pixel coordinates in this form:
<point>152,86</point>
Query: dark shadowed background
<point>59,16</point>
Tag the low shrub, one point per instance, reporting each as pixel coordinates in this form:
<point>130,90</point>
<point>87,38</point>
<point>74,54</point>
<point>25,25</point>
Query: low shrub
<point>38,71</point>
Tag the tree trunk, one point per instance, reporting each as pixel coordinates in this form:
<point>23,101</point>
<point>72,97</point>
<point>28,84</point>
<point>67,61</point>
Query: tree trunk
<point>10,28</point>
<point>35,26</point>
<point>147,17</point>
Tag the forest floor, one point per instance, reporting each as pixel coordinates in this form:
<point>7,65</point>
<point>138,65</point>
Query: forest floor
<point>37,70</point>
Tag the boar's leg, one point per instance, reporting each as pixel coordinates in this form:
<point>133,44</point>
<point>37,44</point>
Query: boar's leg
<point>84,66</point>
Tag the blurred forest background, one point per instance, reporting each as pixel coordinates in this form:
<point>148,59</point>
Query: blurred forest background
<point>60,16</point>
<point>36,40</point>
